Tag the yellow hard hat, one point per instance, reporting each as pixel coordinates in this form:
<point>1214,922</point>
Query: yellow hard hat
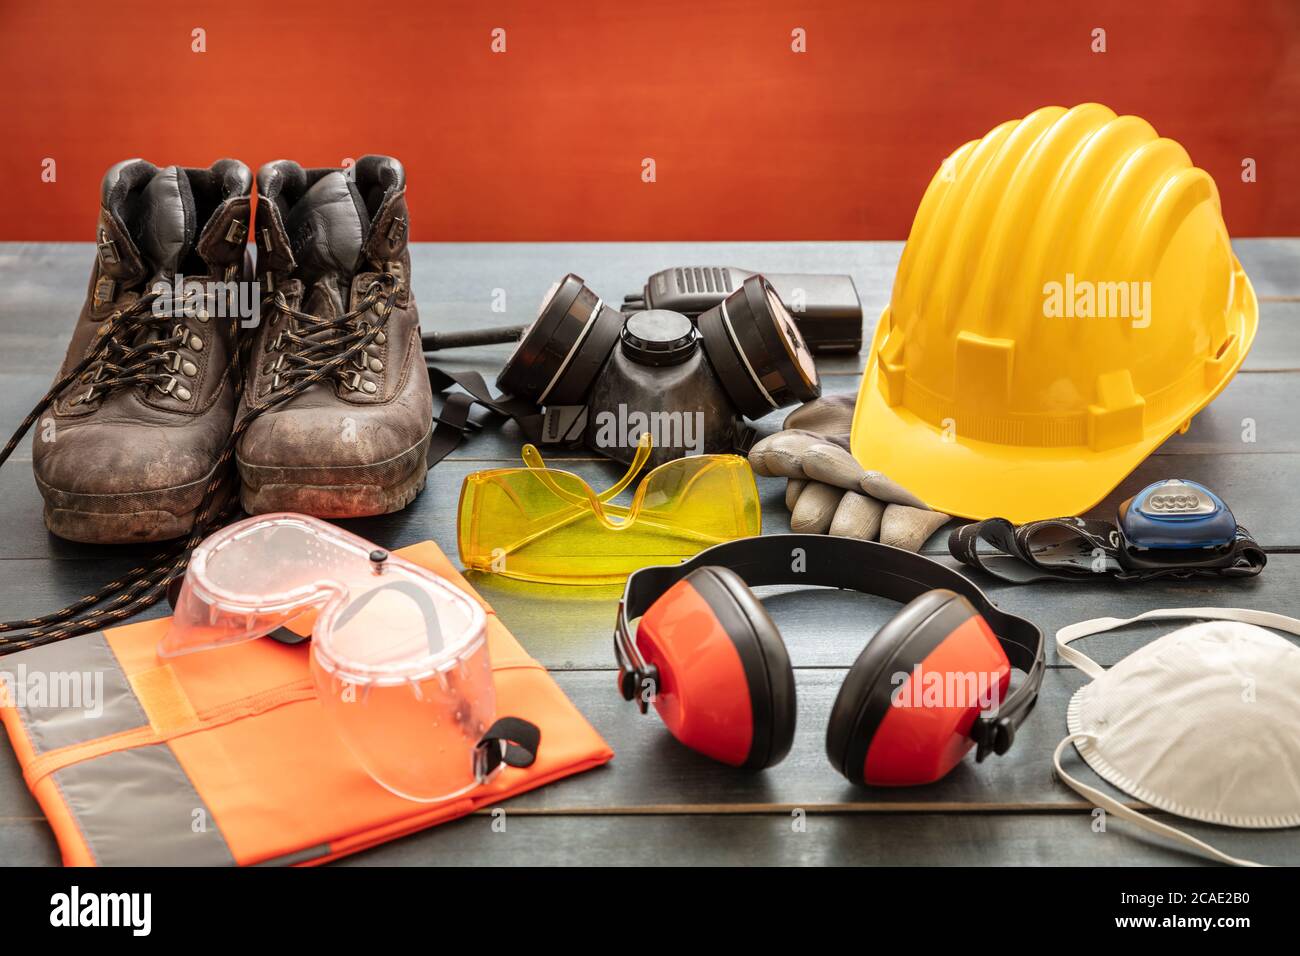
<point>1067,300</point>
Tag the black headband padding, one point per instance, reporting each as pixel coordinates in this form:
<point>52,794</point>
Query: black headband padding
<point>847,563</point>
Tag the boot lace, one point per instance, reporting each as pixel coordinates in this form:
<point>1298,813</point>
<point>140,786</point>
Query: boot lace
<point>309,344</point>
<point>144,586</point>
<point>137,347</point>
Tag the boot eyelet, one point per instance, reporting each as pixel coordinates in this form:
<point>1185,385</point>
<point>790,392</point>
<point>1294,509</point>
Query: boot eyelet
<point>376,365</point>
<point>369,388</point>
<point>189,368</point>
<point>174,387</point>
<point>196,344</point>
<point>381,338</point>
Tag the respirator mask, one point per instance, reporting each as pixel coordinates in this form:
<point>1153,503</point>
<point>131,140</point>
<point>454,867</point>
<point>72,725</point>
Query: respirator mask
<point>826,307</point>
<point>1203,722</point>
<point>604,379</point>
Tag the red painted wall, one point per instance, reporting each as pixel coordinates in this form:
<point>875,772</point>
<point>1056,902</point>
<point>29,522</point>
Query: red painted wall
<point>545,141</point>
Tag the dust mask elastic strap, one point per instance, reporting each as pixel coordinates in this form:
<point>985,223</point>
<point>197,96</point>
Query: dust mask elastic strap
<point>1066,635</point>
<point>1136,817</point>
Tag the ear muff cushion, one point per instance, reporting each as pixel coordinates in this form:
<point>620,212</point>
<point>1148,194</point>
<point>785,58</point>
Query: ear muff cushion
<point>763,656</point>
<point>864,697</point>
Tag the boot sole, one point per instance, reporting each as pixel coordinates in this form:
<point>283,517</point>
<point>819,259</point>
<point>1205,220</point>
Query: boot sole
<point>83,518</point>
<point>343,500</point>
<point>94,527</point>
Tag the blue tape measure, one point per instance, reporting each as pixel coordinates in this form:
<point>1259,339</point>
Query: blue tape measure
<point>1176,514</point>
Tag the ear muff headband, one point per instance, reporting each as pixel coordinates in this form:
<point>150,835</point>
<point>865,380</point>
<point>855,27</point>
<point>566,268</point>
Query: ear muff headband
<point>853,565</point>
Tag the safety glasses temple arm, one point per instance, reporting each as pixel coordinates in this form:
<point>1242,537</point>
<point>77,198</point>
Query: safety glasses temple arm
<point>533,459</point>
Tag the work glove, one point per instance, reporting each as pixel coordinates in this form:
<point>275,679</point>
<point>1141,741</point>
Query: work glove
<point>828,492</point>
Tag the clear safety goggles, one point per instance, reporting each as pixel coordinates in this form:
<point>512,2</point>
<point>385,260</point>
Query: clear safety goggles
<point>399,656</point>
<point>539,523</point>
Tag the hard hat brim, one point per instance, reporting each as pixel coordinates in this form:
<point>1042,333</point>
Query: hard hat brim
<point>980,479</point>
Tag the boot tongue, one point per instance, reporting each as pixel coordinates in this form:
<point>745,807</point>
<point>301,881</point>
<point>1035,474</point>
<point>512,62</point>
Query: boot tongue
<point>327,228</point>
<point>160,219</point>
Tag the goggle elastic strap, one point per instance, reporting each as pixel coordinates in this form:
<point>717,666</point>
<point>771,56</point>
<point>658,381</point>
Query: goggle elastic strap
<point>511,741</point>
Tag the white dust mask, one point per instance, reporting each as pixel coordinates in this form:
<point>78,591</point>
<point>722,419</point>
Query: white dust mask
<point>1203,722</point>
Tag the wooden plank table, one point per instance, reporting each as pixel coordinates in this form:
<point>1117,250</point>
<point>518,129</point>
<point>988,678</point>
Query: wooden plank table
<point>657,802</point>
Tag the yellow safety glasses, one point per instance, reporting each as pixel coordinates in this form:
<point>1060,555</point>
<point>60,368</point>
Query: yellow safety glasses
<point>543,524</point>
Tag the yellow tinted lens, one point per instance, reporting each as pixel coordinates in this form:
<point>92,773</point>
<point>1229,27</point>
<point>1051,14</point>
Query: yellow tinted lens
<point>690,504</point>
<point>541,524</point>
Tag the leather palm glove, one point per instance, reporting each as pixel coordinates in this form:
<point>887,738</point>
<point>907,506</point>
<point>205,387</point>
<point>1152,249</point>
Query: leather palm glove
<point>828,492</point>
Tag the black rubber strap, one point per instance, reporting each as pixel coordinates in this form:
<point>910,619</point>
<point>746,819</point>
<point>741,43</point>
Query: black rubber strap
<point>1072,549</point>
<point>285,636</point>
<point>453,422</point>
<point>1078,546</point>
<point>521,740</point>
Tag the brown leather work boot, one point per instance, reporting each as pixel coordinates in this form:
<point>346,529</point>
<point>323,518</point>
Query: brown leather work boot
<point>355,443</point>
<point>127,450</point>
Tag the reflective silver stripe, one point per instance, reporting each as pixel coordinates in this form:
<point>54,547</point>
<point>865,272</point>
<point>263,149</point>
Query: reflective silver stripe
<point>84,664</point>
<point>731,334</point>
<point>299,856</point>
<point>137,807</point>
<point>586,329</point>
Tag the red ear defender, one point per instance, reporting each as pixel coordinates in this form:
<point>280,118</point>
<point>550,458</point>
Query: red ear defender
<point>930,685</point>
<point>725,685</point>
<point>904,713</point>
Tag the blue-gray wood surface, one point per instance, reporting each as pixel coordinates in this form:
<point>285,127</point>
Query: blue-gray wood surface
<point>657,802</point>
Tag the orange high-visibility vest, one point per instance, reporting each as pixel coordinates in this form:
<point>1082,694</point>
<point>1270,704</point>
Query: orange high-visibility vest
<point>225,757</point>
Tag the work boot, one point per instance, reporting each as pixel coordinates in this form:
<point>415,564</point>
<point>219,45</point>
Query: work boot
<point>128,449</point>
<point>354,443</point>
